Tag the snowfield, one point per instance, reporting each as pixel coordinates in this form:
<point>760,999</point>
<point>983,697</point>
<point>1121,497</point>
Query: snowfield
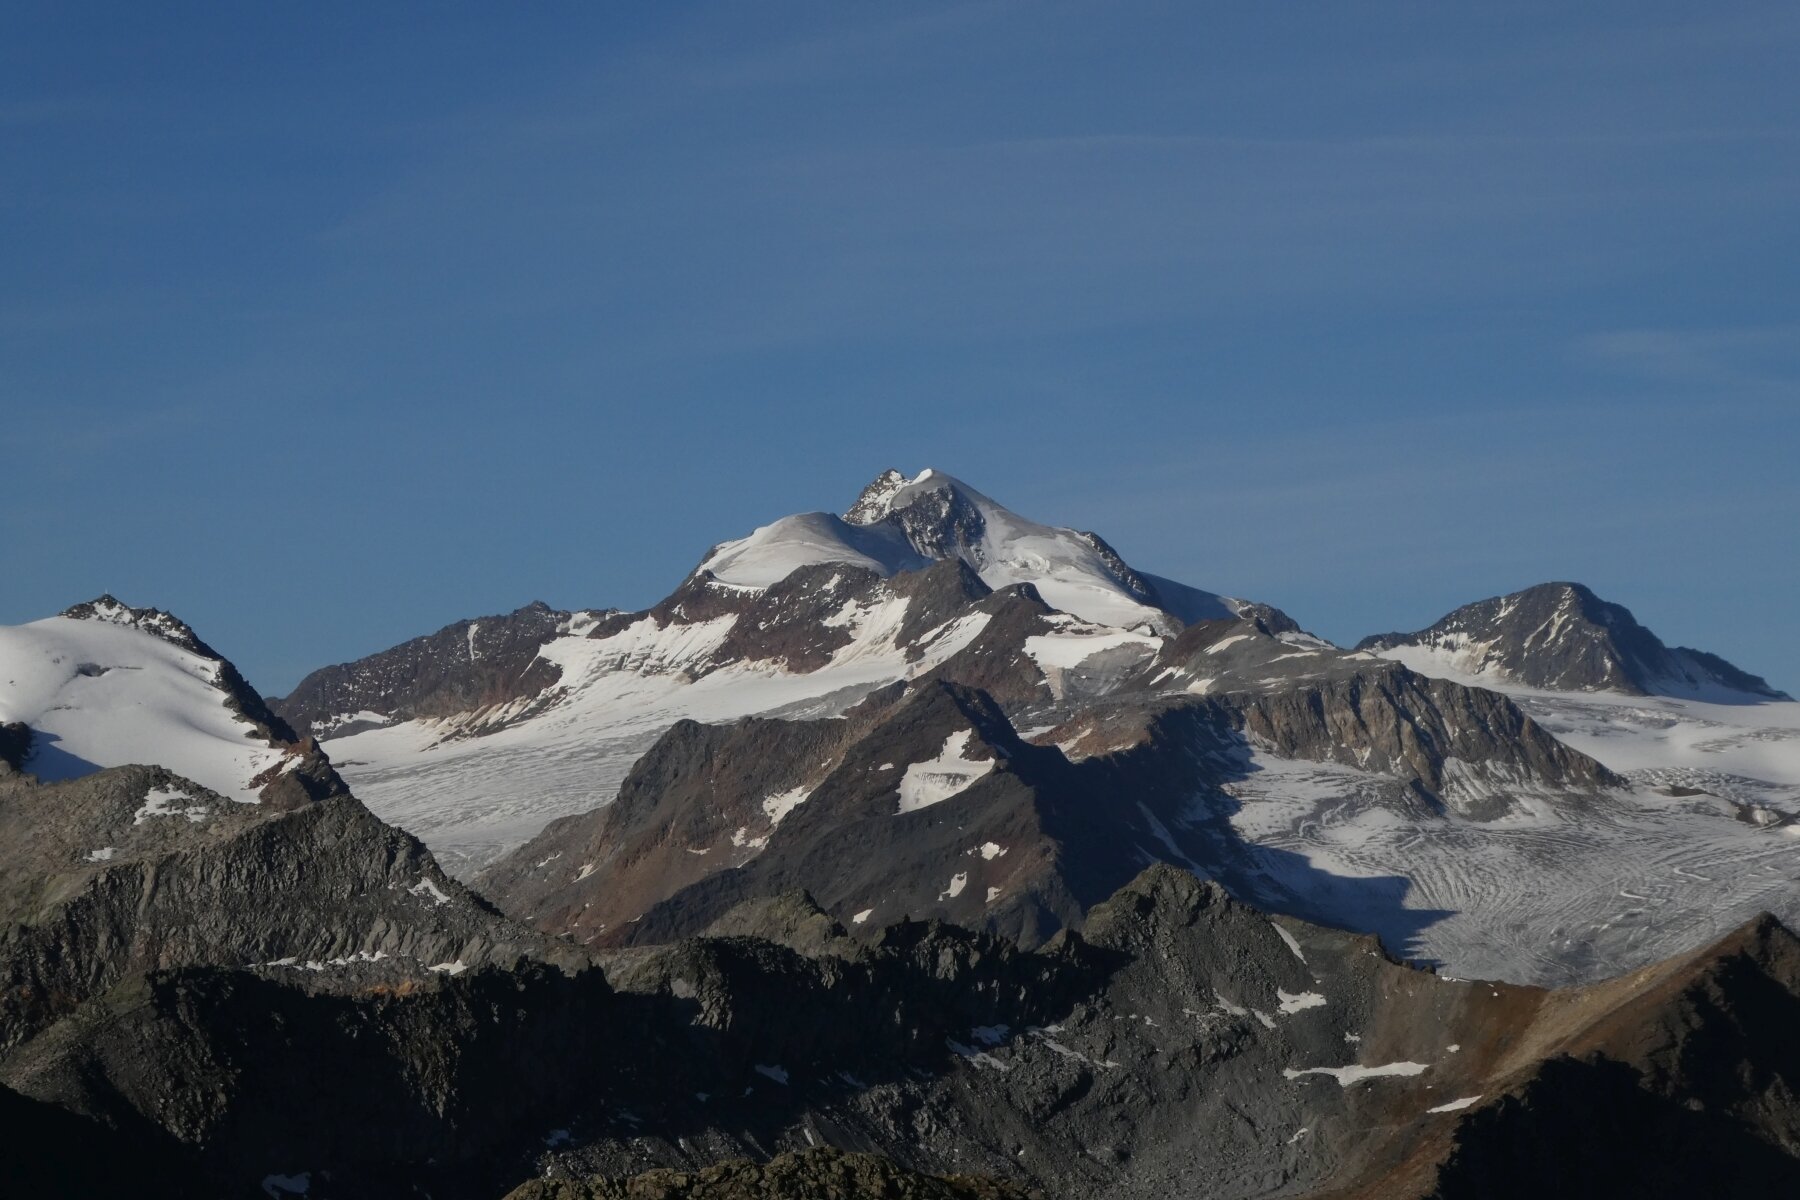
<point>98,694</point>
<point>1554,893</point>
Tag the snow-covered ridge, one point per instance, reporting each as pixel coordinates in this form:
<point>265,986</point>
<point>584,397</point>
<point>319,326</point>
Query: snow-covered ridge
<point>108,688</point>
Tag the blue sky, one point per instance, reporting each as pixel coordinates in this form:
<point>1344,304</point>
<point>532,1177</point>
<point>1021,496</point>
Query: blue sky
<point>325,325</point>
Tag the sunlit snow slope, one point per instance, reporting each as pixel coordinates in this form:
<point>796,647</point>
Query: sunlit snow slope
<point>473,797</point>
<point>99,693</point>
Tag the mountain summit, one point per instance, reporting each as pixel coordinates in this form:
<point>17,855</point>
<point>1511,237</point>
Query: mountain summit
<point>900,524</point>
<point>1563,637</point>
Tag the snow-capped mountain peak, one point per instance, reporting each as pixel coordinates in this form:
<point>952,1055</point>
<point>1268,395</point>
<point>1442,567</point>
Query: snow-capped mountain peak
<point>105,684</point>
<point>902,524</point>
<point>1563,637</point>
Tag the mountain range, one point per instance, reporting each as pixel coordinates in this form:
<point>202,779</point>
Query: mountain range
<point>923,848</point>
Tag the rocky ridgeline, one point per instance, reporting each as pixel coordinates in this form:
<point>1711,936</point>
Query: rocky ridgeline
<point>463,667</point>
<point>1178,1038</point>
<point>802,1175</point>
<point>135,869</point>
<point>1563,637</point>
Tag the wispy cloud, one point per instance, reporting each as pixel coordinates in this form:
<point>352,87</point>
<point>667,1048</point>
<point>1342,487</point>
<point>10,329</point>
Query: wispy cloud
<point>1748,358</point>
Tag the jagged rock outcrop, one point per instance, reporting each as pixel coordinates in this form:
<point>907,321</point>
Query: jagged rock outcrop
<point>822,1174</point>
<point>921,805</point>
<point>403,1084</point>
<point>1459,746</point>
<point>134,868</point>
<point>1180,1036</point>
<point>1563,637</point>
<point>1658,1084</point>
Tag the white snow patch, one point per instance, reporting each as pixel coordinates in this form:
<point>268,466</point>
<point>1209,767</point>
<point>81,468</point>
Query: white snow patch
<point>782,803</point>
<point>427,888</point>
<point>1298,1002</point>
<point>1289,939</point>
<point>947,775</point>
<point>450,968</point>
<point>958,882</point>
<point>277,1186</point>
<point>992,850</point>
<point>1071,646</point>
<point>862,916</point>
<point>777,1073</point>
<point>1356,1074</point>
<point>1455,1105</point>
<point>103,854</point>
<point>992,894</point>
<point>981,1058</point>
<point>169,802</point>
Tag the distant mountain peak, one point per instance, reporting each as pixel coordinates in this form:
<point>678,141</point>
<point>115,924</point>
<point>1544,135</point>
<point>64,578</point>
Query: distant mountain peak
<point>902,524</point>
<point>154,621</point>
<point>1563,637</point>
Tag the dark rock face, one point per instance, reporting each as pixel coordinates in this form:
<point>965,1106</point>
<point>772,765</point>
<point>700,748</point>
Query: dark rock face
<point>133,869</point>
<point>1666,1091</point>
<point>1561,636</point>
<point>1179,1037</point>
<point>15,746</point>
<point>1392,720</point>
<point>410,1084</point>
<point>50,1151</point>
<point>806,1175</point>
<point>800,622</point>
<point>470,665</point>
<point>704,798</point>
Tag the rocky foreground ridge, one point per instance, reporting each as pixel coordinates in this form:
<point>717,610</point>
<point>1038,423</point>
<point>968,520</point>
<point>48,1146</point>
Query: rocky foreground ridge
<point>1180,1044</point>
